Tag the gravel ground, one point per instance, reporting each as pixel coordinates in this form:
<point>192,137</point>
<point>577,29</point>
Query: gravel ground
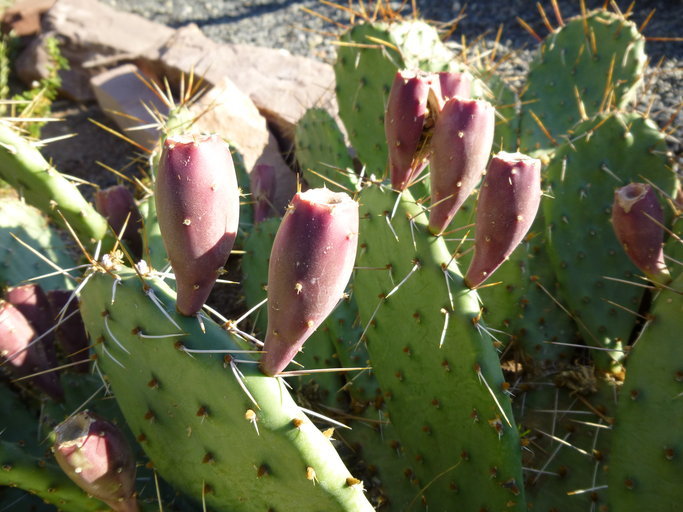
<point>289,24</point>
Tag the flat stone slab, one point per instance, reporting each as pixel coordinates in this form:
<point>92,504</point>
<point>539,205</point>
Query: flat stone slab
<point>124,98</point>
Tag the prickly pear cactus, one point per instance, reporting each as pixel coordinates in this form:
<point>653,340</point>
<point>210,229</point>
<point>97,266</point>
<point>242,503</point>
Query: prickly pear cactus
<point>22,224</point>
<point>591,267</point>
<point>322,153</point>
<point>491,87</point>
<point>270,454</point>
<point>591,63</point>
<point>646,464</point>
<point>567,420</point>
<point>523,308</point>
<point>434,360</point>
<point>257,247</point>
<point>369,56</point>
<point>41,185</point>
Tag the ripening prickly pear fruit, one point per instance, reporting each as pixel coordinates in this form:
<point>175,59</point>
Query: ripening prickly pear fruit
<point>116,204</point>
<point>70,333</point>
<point>460,147</point>
<point>451,84</point>
<point>637,218</point>
<point>403,125</point>
<point>263,184</point>
<point>94,453</point>
<point>22,355</point>
<point>33,303</point>
<point>310,265</point>
<point>197,200</point>
<point>508,202</point>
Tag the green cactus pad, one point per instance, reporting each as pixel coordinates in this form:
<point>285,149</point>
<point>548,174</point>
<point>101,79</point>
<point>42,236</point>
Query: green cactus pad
<point>257,247</point>
<point>236,451</point>
<point>673,248</point>
<point>492,88</point>
<point>373,439</point>
<point>41,185</point>
<point>153,250</point>
<point>246,208</point>
<point>605,153</point>
<point>568,423</point>
<point>322,153</point>
<point>18,263</point>
<point>19,425</point>
<point>367,60</point>
<point>524,305</point>
<point>437,367</point>
<point>590,63</point>
<point>647,446</point>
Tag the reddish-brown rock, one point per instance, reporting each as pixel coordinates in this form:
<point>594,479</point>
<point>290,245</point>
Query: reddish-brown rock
<point>23,17</point>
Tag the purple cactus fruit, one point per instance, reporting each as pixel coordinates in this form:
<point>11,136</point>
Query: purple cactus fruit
<point>21,357</point>
<point>197,201</point>
<point>452,84</point>
<point>263,186</point>
<point>33,303</point>
<point>403,126</point>
<point>70,334</point>
<point>508,202</point>
<point>637,218</point>
<point>94,453</point>
<point>116,204</point>
<point>460,147</point>
<point>310,265</point>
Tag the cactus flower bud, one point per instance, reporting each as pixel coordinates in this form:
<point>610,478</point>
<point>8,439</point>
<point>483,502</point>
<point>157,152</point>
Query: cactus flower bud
<point>197,200</point>
<point>310,265</point>
<point>637,218</point>
<point>21,356</point>
<point>116,204</point>
<point>95,455</point>
<point>460,147</point>
<point>508,202</point>
<point>403,125</point>
<point>263,186</point>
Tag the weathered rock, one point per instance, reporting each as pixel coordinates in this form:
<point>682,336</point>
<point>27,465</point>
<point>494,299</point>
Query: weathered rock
<point>230,113</point>
<point>33,65</point>
<point>91,35</point>
<point>95,34</point>
<point>23,18</point>
<point>281,85</point>
<point>122,96</point>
